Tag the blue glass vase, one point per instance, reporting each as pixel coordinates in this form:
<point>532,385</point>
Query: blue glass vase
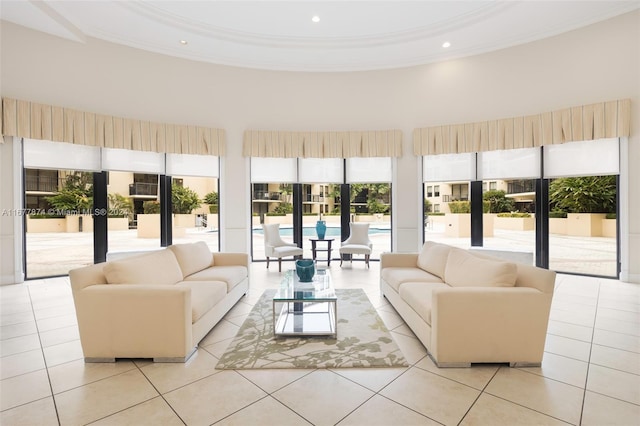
<point>305,269</point>
<point>321,229</point>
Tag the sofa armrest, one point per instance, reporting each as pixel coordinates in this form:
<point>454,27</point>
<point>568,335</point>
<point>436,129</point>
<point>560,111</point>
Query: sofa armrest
<point>87,276</point>
<point>489,324</point>
<point>129,320</point>
<point>231,259</point>
<point>402,260</point>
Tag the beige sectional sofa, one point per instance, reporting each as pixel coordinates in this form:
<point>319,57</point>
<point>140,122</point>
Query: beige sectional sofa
<point>466,307</point>
<point>156,305</point>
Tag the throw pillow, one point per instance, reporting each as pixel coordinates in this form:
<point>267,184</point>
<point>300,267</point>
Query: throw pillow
<point>192,257</point>
<point>433,258</point>
<point>158,267</point>
<point>466,270</point>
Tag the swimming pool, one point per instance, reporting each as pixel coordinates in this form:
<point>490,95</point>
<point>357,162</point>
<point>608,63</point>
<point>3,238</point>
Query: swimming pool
<point>310,231</point>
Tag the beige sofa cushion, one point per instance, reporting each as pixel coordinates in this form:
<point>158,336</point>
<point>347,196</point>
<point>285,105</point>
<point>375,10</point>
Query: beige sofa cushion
<point>433,258</point>
<point>418,296</point>
<point>193,257</point>
<point>158,267</point>
<point>204,296</point>
<point>396,275</point>
<point>231,275</point>
<point>466,270</point>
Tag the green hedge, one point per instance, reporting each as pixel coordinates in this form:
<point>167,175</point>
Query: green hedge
<point>514,214</point>
<point>558,215</point>
<point>457,207</point>
<point>46,216</point>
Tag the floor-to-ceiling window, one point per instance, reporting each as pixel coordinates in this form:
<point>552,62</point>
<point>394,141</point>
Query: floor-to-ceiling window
<point>272,181</point>
<point>321,181</point>
<point>369,180</point>
<point>65,182</point>
<point>195,201</point>
<point>58,200</point>
<point>447,198</point>
<point>578,224</point>
<point>583,206</point>
<point>133,198</point>
<point>508,195</point>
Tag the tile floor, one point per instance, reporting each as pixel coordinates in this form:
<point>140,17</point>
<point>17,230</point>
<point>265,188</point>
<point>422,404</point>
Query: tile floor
<point>590,374</point>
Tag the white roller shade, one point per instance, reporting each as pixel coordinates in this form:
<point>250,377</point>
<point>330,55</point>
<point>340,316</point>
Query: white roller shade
<point>267,169</point>
<point>449,167</point>
<point>192,165</point>
<point>587,158</point>
<point>509,164</point>
<point>369,170</point>
<point>125,160</point>
<point>41,154</point>
<point>320,170</point>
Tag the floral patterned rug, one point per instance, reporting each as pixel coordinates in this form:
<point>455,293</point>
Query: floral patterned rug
<point>362,340</point>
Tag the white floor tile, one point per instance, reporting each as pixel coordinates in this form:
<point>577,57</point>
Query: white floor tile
<point>614,383</point>
<point>339,397</point>
<point>440,399</point>
<point>139,392</point>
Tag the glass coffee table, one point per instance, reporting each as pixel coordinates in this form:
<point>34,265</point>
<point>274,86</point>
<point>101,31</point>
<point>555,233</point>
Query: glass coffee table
<point>305,308</point>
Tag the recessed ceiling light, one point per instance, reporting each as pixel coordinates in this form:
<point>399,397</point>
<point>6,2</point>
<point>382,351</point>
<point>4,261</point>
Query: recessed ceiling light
<point>315,18</point>
<point>184,42</point>
<point>446,44</point>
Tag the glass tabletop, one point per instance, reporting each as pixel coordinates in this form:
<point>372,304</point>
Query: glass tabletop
<point>291,288</point>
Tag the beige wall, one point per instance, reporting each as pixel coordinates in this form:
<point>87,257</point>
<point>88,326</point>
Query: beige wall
<point>119,183</point>
<point>597,63</point>
<point>202,186</point>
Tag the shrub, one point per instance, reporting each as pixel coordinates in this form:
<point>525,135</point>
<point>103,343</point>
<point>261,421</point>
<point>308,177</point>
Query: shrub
<point>498,202</point>
<point>611,216</point>
<point>557,214</point>
<point>514,214</point>
<point>119,205</point>
<point>183,199</point>
<point>458,207</point>
<point>76,195</point>
<point>283,208</point>
<point>151,207</point>
<point>211,198</point>
<point>585,194</point>
<point>427,206</point>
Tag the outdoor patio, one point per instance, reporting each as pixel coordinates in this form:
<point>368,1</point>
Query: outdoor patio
<point>51,254</point>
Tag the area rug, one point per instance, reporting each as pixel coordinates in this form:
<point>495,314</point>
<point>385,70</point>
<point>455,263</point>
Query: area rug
<point>362,340</point>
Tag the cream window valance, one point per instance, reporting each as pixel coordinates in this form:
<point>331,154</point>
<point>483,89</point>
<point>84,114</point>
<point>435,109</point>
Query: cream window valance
<point>588,122</point>
<point>286,144</point>
<point>58,124</point>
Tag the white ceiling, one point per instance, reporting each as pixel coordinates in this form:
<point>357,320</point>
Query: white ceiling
<point>279,35</point>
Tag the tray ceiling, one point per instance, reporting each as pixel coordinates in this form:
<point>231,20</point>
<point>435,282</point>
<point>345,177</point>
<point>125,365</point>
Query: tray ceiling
<point>280,35</point>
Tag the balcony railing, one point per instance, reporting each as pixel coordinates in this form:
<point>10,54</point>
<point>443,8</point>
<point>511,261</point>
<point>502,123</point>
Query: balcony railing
<point>521,186</point>
<point>313,198</point>
<point>267,196</point>
<point>140,188</point>
<point>43,183</point>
